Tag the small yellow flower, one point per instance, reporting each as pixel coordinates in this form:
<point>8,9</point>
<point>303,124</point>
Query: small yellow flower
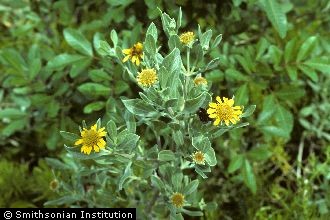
<point>200,81</point>
<point>53,185</point>
<point>224,111</point>
<point>134,53</point>
<point>199,158</point>
<point>187,37</point>
<point>91,139</point>
<point>177,199</point>
<point>147,77</point>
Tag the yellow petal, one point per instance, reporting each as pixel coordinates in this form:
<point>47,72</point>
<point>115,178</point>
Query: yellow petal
<point>102,129</point>
<point>213,115</point>
<point>210,110</point>
<point>126,58</point>
<point>96,148</point>
<point>227,122</point>
<point>101,143</point>
<point>218,99</point>
<point>232,120</point>
<point>78,142</point>
<point>237,107</point>
<point>102,134</point>
<point>133,59</point>
<point>127,51</point>
<point>230,102</point>
<point>137,61</point>
<point>213,105</point>
<point>216,122</point>
<point>94,127</point>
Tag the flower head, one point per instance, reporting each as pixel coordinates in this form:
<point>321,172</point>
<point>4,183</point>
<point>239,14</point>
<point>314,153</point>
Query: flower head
<point>200,81</point>
<point>224,111</point>
<point>147,77</point>
<point>187,37</point>
<point>134,53</point>
<point>198,158</point>
<point>177,199</point>
<point>54,184</point>
<point>91,139</point>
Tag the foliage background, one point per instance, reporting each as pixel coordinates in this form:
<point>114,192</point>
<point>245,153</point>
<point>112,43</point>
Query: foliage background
<point>274,54</point>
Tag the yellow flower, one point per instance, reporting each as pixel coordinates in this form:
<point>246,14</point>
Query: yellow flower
<point>224,111</point>
<point>147,77</point>
<point>187,37</point>
<point>134,53</point>
<point>199,157</point>
<point>200,81</point>
<point>91,139</point>
<point>177,199</point>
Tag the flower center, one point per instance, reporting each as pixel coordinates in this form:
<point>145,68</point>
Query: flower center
<point>136,50</point>
<point>91,138</point>
<point>177,199</point>
<point>224,111</point>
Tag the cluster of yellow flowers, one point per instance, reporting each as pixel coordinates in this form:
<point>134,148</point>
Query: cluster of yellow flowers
<point>220,111</point>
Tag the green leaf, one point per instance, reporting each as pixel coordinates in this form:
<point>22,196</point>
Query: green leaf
<point>191,187</point>
<point>14,59</point>
<point>158,183</point>
<point>267,109</point>
<point>259,153</point>
<point>233,75</point>
<point>13,126</point>
<point>289,50</point>
<point>176,180</point>
<point>152,30</point>
<point>78,68</point>
<point>248,176</point>
<point>99,75</point>
<point>94,89</point>
<point>112,128</point>
<point>138,107</point>
<point>127,173</point>
<point>166,155</point>
<point>69,136</point>
<point>275,131</point>
<point>63,60</point>
<point>178,137</point>
<point>127,140</point>
<point>216,41</point>
<point>94,106</point>
<point>309,72</point>
<point>276,15</point>
<point>248,111</point>
<point>65,200</point>
<point>150,45</point>
<point>284,118</point>
<point>306,48</point>
<point>292,72</point>
<point>192,105</point>
<point>235,163</point>
<point>76,40</point>
<point>12,113</point>
<point>242,95</point>
<point>114,38</point>
<point>130,121</point>
<point>262,46</point>
<point>169,76</point>
<point>319,63</point>
<point>192,213</point>
<point>205,39</point>
<point>57,164</point>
